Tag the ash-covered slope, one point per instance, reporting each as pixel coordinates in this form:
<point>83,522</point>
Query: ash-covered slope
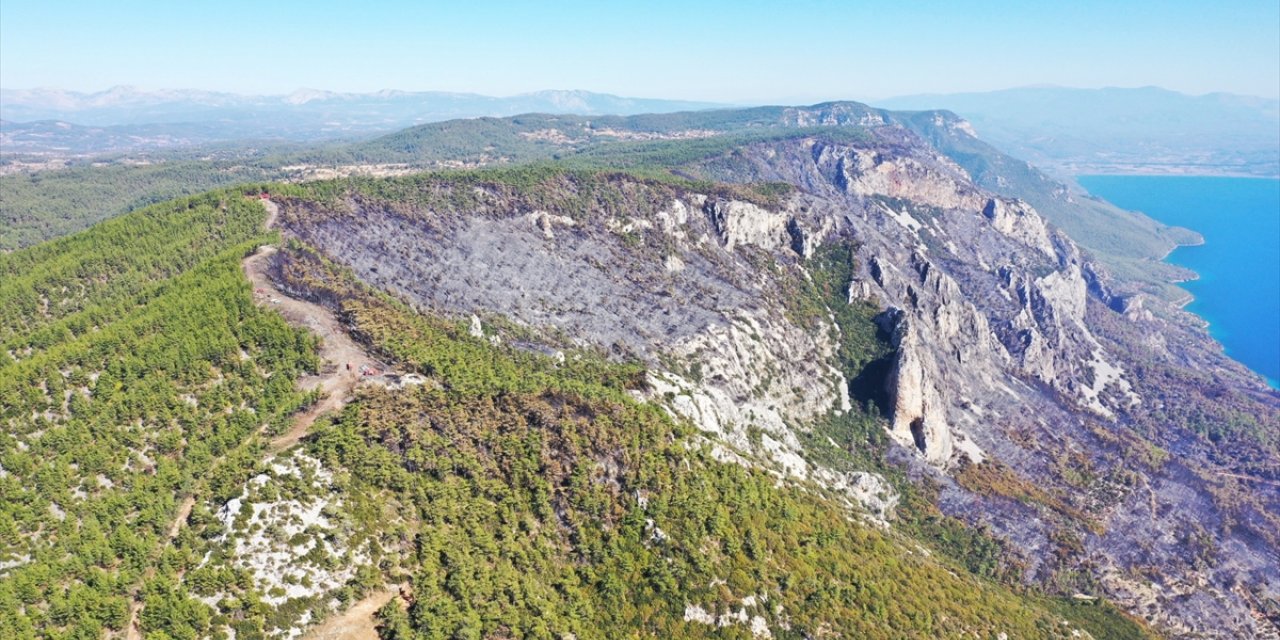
<point>1128,242</point>
<point>1100,435</point>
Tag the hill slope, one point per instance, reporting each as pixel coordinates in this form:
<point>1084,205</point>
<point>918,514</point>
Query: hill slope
<point>794,379</point>
<point>517,494</point>
<point>996,344</point>
<point>1127,242</point>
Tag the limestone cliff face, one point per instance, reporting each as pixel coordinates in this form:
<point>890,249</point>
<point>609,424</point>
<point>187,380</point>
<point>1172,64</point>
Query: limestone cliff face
<point>741,223</point>
<point>1018,220</point>
<point>914,211</point>
<point>1011,347</point>
<point>919,414</point>
<point>940,340</point>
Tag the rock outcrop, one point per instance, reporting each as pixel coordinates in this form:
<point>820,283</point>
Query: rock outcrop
<point>919,414</point>
<point>1018,220</point>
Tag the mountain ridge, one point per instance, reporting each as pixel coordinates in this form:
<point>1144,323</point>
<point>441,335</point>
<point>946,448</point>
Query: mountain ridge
<point>924,233</point>
<point>704,374</point>
<point>1133,242</point>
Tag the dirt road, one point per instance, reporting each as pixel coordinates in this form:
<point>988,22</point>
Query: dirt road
<point>184,511</point>
<point>342,359</point>
<point>356,623</point>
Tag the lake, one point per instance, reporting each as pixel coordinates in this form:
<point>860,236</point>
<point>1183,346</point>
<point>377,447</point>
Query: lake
<point>1238,291</point>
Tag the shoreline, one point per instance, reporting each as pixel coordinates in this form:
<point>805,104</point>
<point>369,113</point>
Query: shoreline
<point>1178,245</point>
<point>1234,347</point>
<point>1195,276</point>
<point>1157,173</point>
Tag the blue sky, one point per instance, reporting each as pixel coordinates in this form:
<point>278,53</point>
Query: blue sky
<point>735,51</point>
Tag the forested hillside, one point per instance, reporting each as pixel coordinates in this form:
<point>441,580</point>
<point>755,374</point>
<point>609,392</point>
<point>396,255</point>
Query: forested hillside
<point>35,207</point>
<point>135,371</point>
<point>543,500</point>
<point>516,495</point>
<point>1063,492</point>
<point>784,372</point>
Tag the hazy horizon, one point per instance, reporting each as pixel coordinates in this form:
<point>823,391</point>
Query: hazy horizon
<point>715,51</point>
<point>674,98</point>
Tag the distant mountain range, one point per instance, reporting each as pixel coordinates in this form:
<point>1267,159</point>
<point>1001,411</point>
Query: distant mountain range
<point>383,109</point>
<point>1114,130</point>
<point>1065,131</point>
<point>129,119</point>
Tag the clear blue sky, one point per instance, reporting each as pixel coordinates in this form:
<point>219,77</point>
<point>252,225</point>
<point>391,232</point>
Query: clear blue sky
<point>723,50</point>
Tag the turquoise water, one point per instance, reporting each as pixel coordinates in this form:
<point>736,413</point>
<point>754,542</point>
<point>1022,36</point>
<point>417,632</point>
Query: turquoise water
<point>1239,264</point>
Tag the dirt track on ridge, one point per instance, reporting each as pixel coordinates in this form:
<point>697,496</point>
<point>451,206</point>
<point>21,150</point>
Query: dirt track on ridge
<point>340,355</point>
<point>341,359</point>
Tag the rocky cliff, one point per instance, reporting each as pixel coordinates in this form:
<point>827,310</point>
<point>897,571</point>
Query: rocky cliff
<point>1045,409</point>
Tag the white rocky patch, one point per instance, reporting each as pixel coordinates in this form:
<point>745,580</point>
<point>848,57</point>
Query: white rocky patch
<point>694,613</point>
<point>409,380</point>
<point>969,448</point>
<point>13,563</point>
<point>966,128</point>
<point>758,625</point>
<point>869,490</point>
<point>656,534</point>
<point>730,420</point>
<point>547,222</point>
<point>673,220</point>
<point>277,536</point>
<point>902,218</point>
<point>1105,374</point>
<point>758,371</point>
<point>629,225</point>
